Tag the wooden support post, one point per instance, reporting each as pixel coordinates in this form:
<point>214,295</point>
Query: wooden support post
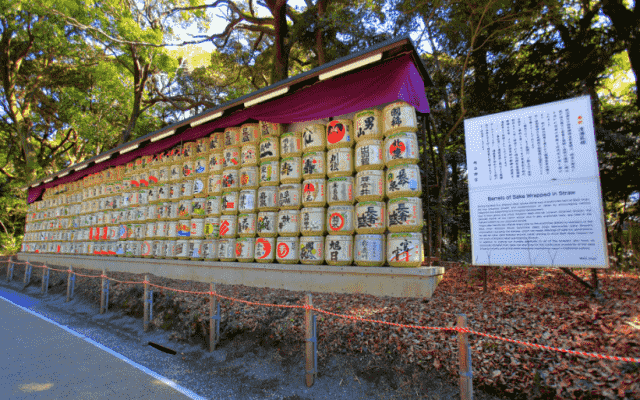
<point>213,333</point>
<point>309,375</point>
<point>103,291</point>
<point>9,270</point>
<point>45,280</point>
<point>464,359</point>
<point>146,303</point>
<point>27,274</point>
<point>69,283</point>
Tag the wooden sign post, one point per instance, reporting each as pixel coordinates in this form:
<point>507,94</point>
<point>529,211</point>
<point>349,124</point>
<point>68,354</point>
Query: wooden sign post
<point>464,359</point>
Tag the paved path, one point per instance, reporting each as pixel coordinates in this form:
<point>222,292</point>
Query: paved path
<point>40,359</point>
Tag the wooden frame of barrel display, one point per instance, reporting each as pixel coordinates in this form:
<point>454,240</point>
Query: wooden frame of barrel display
<point>287,174</point>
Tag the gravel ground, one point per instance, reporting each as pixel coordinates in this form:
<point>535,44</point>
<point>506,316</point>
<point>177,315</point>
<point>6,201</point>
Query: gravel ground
<point>260,354</point>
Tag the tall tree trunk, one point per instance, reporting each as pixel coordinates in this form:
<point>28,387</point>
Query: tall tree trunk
<point>455,199</point>
<point>322,8</point>
<point>280,69</point>
<point>481,95</point>
<point>140,77</point>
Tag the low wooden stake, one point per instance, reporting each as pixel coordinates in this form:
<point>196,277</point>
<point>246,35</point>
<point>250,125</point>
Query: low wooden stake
<point>103,291</point>
<point>27,274</point>
<point>464,359</point>
<point>146,303</point>
<point>309,375</point>
<point>69,283</point>
<point>213,334</point>
<point>45,280</point>
<point>9,270</point>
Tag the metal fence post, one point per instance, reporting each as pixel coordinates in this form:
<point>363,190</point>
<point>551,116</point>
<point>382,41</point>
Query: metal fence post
<point>310,354</point>
<point>464,359</point>
<point>10,271</point>
<point>214,320</point>
<point>104,293</point>
<point>27,274</point>
<point>70,283</point>
<point>146,303</point>
<point>45,280</point>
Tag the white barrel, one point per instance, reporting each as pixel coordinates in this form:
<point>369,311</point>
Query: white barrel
<point>312,250</point>
<point>405,249</point>
<point>162,229</point>
<point>147,195</point>
<point>164,191</point>
<point>340,162</point>
<point>186,169</point>
<point>169,249</point>
<point>249,133</point>
<point>198,187</point>
<point>313,138</point>
<point>245,251</point>
<point>291,170</point>
<point>265,249</point>
<point>210,250</point>
<point>227,249</point>
<point>184,228</point>
<point>369,185</point>
<point>175,192</point>
<point>172,229</point>
<point>269,173</point>
<point>163,174</point>
<point>266,224</point>
<point>287,250</point>
<point>267,198</point>
<point>138,232</point>
<point>213,205</point>
<point>230,180</point>
<point>158,247</point>
<point>182,249</point>
<point>186,189</point>
<point>338,250</point>
<point>291,144</point>
<point>216,161</point>
<point>184,209</point>
<point>369,250</point>
<point>368,125</point>
<point>288,223</point>
<point>141,215</point>
<point>212,227</point>
<point>201,165</point>
<point>340,191</point>
<point>399,117</point>
<point>403,180</point>
<point>228,226</point>
<point>172,209</point>
<point>229,203</point>
<point>340,133</point>
<point>150,230</point>
<point>314,165</point>
<point>247,201</point>
<point>371,217</point>
<point>368,155</point>
<point>401,148</point>
<point>290,196</point>
<point>312,221</point>
<point>216,141</point>
<point>145,248</point>
<point>270,129</point>
<point>198,207</point>
<point>231,158</point>
<point>404,214</point>
<point>249,177</point>
<point>340,220</point>
<point>247,225</point>
<point>214,184</point>
<point>249,155</point>
<point>231,136</point>
<point>197,227</point>
<point>195,249</point>
<point>269,149</point>
<point>314,193</point>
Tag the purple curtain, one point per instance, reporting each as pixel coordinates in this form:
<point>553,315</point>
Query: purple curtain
<point>397,79</point>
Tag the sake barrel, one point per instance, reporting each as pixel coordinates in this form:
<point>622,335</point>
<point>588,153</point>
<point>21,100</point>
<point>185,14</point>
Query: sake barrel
<point>184,209</point>
<point>249,154</point>
<point>213,205</point>
<point>403,180</point>
<point>340,220</point>
<point>269,149</point>
<point>289,196</point>
<point>401,148</point>
<point>370,217</point>
<point>172,229</point>
<point>214,184</point>
<point>266,224</point>
<point>369,155</point>
<point>227,249</point>
<point>187,169</point>
<point>162,230</point>
<point>249,133</point>
<point>202,146</point>
<point>195,249</point>
<point>369,185</point>
<point>198,188</point>
<point>270,129</point>
<point>216,141</point>
<point>340,133</point>
<point>247,201</point>
<point>269,173</point>
<point>312,221</point>
<point>369,250</point>
<point>154,175</point>
<point>175,173</point>
<point>184,228</point>
<point>230,180</point>
<point>188,150</point>
<point>201,165</point>
<point>198,207</point>
<point>268,198</point>
<point>175,192</point>
<point>247,225</point>
<point>313,138</point>
<point>139,231</point>
<point>150,231</point>
<point>182,249</point>
<point>244,249</point>
<point>210,250</point>
<point>404,214</point>
<point>172,209</point>
<point>340,162</point>
<point>99,248</point>
<point>231,159</point>
<point>216,161</point>
<point>128,248</point>
<point>186,189</point>
<point>228,226</point>
<point>405,249</point>
<point>338,250</point>
<point>340,191</point>
<point>288,223</point>
<point>170,249</point>
<point>367,125</point>
<point>312,250</point>
<point>291,170</point>
<point>249,177</point>
<point>148,196</point>
<point>163,192</point>
<point>314,193</point>
<point>197,227</point>
<point>229,203</point>
<point>231,137</point>
<point>399,117</point>
<point>265,249</point>
<point>287,250</point>
<point>291,144</point>
<point>212,227</point>
<point>314,165</point>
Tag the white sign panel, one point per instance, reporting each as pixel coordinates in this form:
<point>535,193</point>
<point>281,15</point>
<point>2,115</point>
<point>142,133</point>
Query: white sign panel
<point>534,187</point>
